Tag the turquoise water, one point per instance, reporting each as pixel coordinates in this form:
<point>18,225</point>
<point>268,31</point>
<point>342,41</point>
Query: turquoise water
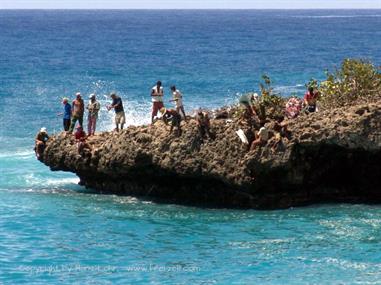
<point>64,236</point>
<point>53,231</point>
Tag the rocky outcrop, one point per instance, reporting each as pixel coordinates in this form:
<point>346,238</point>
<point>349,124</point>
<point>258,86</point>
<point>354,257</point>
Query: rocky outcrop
<point>330,156</point>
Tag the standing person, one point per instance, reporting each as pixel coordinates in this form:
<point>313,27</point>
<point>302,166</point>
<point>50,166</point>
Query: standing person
<point>117,105</point>
<point>77,109</point>
<point>93,108</point>
<point>66,114</point>
<point>174,117</point>
<point>310,99</point>
<point>178,99</point>
<point>157,94</point>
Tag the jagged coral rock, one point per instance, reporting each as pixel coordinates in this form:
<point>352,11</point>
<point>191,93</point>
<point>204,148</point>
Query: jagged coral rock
<point>331,156</point>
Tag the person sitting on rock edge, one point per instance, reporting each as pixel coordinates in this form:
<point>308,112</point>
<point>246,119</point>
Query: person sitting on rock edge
<point>174,117</point>
<point>203,124</point>
<point>80,138</point>
<point>117,105</point>
<point>40,142</point>
<point>261,137</point>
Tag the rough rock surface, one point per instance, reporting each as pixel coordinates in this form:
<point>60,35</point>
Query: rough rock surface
<point>331,156</point>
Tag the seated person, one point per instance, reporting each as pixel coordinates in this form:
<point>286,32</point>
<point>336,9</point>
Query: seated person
<point>293,107</point>
<point>171,115</point>
<point>310,99</point>
<point>280,126</point>
<point>40,142</point>
<point>261,137</point>
<point>80,138</point>
<point>203,124</point>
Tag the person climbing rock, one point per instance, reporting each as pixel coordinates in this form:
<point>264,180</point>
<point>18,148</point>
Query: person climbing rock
<point>66,114</point>
<point>93,107</point>
<point>157,94</point>
<point>178,100</point>
<point>40,142</point>
<point>117,105</point>
<point>261,138</point>
<point>248,100</point>
<point>203,124</point>
<point>174,117</point>
<point>78,109</point>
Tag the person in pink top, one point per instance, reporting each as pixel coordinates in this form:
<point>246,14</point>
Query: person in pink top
<point>93,108</point>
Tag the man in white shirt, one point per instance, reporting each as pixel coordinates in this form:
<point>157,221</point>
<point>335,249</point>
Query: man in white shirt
<point>157,94</point>
<point>178,99</point>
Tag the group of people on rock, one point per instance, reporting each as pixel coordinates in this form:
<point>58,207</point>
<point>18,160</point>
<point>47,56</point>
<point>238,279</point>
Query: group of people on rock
<point>74,112</point>
<point>293,108</point>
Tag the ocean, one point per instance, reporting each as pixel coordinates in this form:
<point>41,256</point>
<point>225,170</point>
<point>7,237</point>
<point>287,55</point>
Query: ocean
<point>54,231</point>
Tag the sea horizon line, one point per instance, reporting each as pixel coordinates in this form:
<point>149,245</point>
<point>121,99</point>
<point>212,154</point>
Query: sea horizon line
<point>191,9</point>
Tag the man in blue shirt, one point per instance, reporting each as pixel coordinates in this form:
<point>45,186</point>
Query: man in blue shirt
<point>66,114</point>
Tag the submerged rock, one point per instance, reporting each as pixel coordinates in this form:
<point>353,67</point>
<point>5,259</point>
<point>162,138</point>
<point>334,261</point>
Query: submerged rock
<point>330,156</point>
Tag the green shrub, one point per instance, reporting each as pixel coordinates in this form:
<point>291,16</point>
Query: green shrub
<point>356,79</point>
<point>271,104</point>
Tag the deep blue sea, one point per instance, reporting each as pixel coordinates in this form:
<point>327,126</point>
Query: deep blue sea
<point>53,231</point>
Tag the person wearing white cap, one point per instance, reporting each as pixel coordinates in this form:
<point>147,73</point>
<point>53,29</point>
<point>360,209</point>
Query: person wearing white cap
<point>40,142</point>
<point>77,109</point>
<point>93,107</point>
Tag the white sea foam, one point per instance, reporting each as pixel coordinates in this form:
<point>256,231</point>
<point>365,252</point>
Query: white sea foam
<point>289,89</point>
<point>32,180</point>
<point>19,154</point>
